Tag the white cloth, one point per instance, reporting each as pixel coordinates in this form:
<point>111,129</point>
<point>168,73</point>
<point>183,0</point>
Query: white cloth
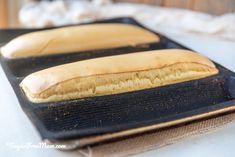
<point>56,13</point>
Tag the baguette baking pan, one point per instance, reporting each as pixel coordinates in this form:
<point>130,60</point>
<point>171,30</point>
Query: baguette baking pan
<point>95,117</point>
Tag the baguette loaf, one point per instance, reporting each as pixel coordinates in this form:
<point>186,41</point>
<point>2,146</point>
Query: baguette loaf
<point>76,39</point>
<point>116,74</point>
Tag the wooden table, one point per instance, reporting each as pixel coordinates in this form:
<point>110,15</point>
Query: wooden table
<point>216,7</point>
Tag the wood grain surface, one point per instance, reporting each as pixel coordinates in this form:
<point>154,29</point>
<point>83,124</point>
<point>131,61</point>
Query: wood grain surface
<point>215,7</point>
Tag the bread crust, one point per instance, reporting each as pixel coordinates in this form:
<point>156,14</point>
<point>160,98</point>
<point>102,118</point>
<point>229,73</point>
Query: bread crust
<point>116,74</point>
<point>77,39</point>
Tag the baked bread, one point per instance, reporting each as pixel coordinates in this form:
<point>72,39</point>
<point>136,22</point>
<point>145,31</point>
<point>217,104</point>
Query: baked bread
<point>77,39</point>
<point>116,74</point>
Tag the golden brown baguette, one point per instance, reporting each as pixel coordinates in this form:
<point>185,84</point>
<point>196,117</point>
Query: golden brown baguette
<point>116,74</point>
<point>76,39</point>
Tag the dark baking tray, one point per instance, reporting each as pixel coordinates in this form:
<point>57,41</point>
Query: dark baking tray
<point>113,113</point>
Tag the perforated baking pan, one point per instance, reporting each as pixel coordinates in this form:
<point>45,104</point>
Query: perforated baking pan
<point>119,114</point>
